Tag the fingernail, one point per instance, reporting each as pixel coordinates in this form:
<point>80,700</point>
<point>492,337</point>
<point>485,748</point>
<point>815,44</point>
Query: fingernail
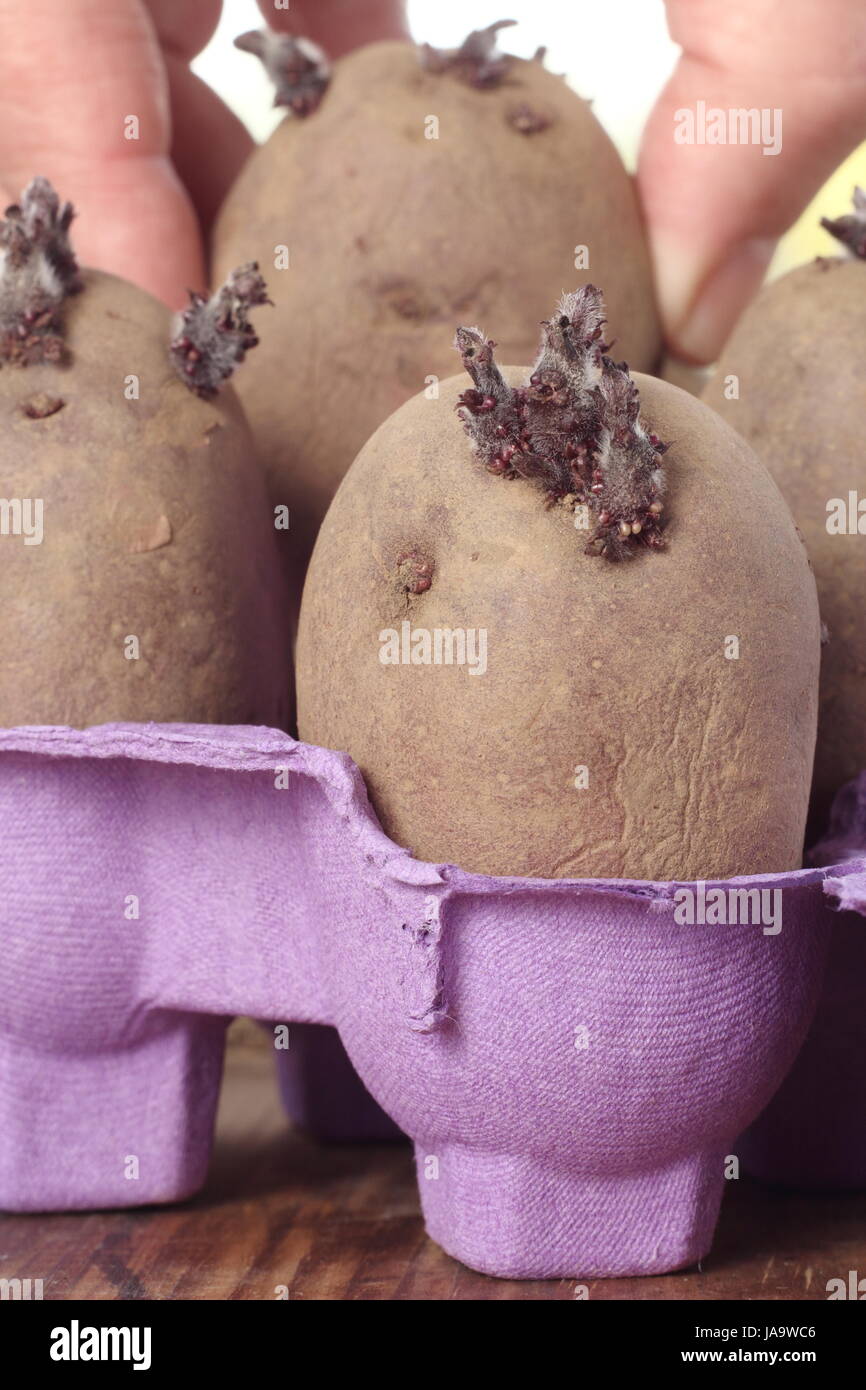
<point>700,308</point>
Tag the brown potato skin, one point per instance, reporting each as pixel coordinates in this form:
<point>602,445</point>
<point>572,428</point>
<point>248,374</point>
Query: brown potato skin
<point>394,239</point>
<point>699,766</point>
<point>208,608</point>
<point>800,358</point>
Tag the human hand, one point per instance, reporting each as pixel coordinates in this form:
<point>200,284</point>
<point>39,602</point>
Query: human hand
<point>70,76</point>
<point>715,212</point>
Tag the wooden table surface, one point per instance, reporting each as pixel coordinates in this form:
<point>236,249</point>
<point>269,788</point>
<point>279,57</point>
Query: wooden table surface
<point>344,1223</point>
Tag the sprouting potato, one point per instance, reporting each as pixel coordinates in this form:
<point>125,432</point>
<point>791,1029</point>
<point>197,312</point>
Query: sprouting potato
<point>140,573</point>
<point>583,641</point>
<point>409,189</point>
<point>791,381</point>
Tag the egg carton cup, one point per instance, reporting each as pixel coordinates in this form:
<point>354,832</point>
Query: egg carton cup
<point>812,1135</point>
<point>573,1064</point>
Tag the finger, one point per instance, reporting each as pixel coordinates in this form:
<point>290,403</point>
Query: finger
<point>184,26</point>
<point>70,77</point>
<point>715,210</point>
<point>209,143</point>
<point>340,25</point>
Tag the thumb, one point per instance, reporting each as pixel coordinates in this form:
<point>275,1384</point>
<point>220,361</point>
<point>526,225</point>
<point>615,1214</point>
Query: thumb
<point>73,78</point>
<point>785,80</point>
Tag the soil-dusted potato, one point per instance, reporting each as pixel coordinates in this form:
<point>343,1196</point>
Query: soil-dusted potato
<point>792,380</point>
<point>633,699</point>
<point>420,189</point>
<point>140,573</point>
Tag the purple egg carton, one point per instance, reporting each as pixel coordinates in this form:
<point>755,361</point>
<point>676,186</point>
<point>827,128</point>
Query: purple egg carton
<point>812,1134</point>
<point>572,1063</point>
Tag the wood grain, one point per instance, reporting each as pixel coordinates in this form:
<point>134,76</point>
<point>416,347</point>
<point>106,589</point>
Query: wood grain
<point>344,1223</point>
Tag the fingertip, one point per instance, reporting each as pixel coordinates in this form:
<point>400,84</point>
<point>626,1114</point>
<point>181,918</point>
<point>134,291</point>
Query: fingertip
<point>722,176</point>
<point>701,303</point>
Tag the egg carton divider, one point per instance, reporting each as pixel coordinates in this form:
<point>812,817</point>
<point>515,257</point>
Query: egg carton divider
<point>572,1064</point>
